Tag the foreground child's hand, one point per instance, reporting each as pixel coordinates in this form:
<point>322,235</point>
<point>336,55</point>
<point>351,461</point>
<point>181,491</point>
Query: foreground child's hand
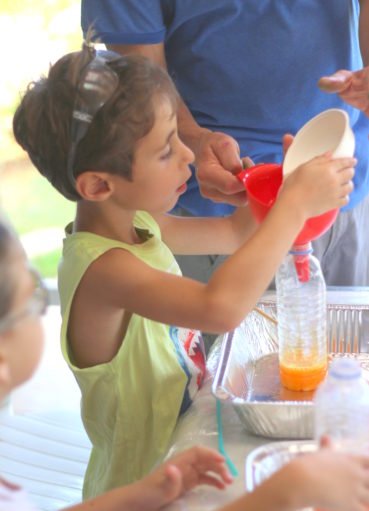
<point>321,184</point>
<point>335,481</point>
<point>183,472</point>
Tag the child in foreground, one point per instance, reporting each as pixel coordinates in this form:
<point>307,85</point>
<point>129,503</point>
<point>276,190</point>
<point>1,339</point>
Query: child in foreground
<point>103,130</point>
<point>325,479</point>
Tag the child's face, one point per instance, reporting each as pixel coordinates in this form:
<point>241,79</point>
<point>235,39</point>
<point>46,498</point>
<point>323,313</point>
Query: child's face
<point>21,343</point>
<point>160,168</point>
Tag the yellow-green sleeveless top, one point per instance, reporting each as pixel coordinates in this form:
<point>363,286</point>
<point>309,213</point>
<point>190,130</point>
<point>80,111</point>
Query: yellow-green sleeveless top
<point>131,404</point>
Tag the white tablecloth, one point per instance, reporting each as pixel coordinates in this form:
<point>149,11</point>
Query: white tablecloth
<point>199,427</point>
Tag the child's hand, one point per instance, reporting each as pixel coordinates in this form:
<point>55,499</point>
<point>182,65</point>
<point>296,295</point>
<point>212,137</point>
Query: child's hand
<point>335,481</point>
<point>321,184</point>
<point>183,472</point>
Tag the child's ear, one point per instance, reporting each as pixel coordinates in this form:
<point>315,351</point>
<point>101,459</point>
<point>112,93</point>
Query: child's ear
<point>94,186</point>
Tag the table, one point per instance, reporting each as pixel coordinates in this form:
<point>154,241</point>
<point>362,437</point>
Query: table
<point>199,424</point>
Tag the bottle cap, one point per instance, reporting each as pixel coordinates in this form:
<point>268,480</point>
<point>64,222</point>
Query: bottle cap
<point>345,369</point>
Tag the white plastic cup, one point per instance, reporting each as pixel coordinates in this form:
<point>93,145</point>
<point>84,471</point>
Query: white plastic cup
<point>328,131</point>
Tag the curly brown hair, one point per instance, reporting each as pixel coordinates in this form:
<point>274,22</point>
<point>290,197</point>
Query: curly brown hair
<point>42,122</point>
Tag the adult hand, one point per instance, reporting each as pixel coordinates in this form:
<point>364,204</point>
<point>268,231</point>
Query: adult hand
<point>217,162</point>
<point>351,86</point>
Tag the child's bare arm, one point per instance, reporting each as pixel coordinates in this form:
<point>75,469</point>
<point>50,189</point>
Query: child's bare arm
<point>326,480</point>
<point>321,184</point>
<point>181,473</point>
<point>125,283</point>
<point>215,235</point>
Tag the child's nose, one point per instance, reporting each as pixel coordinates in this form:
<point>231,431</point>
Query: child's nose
<point>188,154</point>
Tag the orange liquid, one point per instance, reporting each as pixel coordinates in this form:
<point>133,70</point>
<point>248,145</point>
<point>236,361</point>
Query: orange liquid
<point>302,378</point>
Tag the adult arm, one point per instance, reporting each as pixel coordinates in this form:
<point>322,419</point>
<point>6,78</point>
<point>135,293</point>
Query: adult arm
<point>364,31</point>
<point>217,155</point>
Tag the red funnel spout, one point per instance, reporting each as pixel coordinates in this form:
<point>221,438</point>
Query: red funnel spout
<point>301,258</point>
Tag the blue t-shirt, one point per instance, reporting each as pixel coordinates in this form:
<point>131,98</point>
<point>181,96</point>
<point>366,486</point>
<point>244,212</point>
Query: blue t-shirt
<point>247,68</point>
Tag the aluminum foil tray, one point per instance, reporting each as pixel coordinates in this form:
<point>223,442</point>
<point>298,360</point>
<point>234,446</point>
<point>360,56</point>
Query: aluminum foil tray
<point>262,462</point>
<point>247,373</point>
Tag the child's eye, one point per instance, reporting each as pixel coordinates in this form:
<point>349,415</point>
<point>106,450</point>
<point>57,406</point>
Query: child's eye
<point>167,154</point>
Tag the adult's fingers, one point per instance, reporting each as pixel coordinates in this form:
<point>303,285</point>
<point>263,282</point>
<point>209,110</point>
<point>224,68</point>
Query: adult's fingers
<point>335,83</point>
<point>216,182</point>
<point>227,152</point>
<point>247,162</point>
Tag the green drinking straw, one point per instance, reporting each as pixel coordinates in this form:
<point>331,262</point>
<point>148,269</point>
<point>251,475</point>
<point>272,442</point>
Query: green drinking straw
<point>222,451</point>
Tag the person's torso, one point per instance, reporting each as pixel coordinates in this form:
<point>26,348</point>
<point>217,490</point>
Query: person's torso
<point>131,404</point>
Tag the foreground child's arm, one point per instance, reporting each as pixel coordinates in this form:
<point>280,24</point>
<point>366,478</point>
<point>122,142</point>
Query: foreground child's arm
<point>183,472</point>
<point>327,480</point>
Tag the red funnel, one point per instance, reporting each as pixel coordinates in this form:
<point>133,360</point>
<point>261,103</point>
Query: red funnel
<point>262,183</point>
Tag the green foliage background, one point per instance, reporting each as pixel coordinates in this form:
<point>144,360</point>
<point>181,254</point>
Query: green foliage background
<point>39,32</point>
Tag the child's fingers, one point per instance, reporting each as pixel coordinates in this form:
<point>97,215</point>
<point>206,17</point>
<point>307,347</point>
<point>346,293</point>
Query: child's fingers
<point>219,468</point>
<point>211,481</point>
<point>347,188</point>
<point>207,459</point>
<point>224,473</point>
<point>199,455</point>
<point>346,174</point>
<point>172,473</point>
<point>343,163</point>
<point>343,201</point>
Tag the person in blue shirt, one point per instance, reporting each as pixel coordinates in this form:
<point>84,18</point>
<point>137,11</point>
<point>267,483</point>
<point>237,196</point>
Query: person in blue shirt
<point>247,73</point>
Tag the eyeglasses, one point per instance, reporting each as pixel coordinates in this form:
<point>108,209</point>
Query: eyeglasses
<point>35,306</point>
<point>95,87</point>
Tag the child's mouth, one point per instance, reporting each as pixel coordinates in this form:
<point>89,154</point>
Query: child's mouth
<point>182,188</point>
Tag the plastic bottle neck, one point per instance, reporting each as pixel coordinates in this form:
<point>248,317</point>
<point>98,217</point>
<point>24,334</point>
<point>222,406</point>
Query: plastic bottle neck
<point>301,250</point>
<point>301,257</point>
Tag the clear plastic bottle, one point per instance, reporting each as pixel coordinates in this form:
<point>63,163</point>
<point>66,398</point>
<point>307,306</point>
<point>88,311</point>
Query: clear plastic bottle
<point>342,407</point>
<point>302,320</point>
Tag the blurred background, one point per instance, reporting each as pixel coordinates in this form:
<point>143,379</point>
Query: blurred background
<point>33,34</point>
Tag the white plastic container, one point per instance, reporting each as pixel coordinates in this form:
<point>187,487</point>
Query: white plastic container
<point>342,407</point>
<point>328,131</point>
